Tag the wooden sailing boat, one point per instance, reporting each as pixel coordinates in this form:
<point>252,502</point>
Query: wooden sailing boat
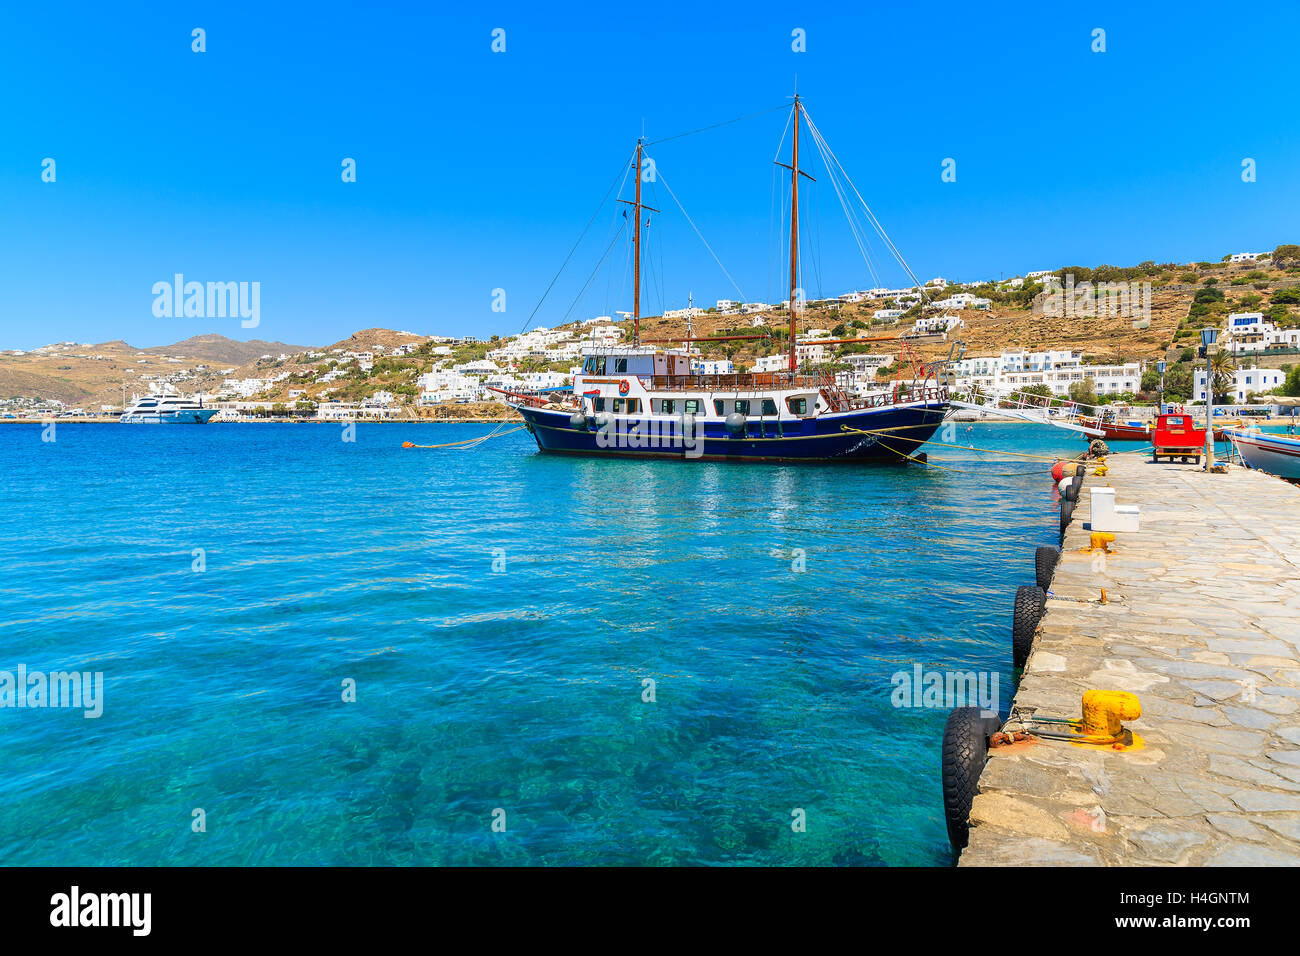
<point>646,402</point>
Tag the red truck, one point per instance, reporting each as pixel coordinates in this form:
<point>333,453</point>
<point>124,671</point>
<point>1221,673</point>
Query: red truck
<point>1176,436</point>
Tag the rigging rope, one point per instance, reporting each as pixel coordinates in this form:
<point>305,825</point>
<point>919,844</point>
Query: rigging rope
<point>817,136</point>
<point>702,129</point>
<point>701,235</point>
<point>618,181</point>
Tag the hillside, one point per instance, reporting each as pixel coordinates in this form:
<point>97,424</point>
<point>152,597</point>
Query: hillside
<point>1184,297</point>
<point>219,350</point>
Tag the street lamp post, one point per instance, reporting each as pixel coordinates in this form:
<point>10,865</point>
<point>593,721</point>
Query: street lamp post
<point>1208,335</point>
<point>1160,367</point>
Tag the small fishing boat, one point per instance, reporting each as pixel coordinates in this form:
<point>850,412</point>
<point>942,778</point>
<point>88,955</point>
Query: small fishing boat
<point>166,407</point>
<point>1276,454</point>
<point>1113,429</point>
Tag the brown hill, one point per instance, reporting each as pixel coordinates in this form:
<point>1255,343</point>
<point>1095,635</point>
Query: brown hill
<point>218,349</point>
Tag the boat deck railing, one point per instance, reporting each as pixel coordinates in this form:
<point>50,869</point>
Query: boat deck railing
<point>739,381</point>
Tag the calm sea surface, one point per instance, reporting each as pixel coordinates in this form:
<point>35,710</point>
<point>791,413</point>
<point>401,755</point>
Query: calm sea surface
<point>498,611</point>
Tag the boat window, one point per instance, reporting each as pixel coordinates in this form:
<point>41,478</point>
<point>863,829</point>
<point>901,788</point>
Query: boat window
<point>691,406</point>
<point>742,406</point>
<point>717,407</point>
<point>618,405</point>
<point>769,406</point>
<point>598,404</point>
<point>667,406</point>
<point>798,406</point>
<point>633,406</point>
<point>620,366</point>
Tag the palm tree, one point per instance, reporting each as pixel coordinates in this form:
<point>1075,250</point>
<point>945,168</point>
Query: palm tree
<point>1223,369</point>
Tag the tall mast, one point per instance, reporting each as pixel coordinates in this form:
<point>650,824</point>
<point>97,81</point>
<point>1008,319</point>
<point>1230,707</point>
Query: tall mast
<point>636,245</point>
<point>794,231</point>
<point>637,206</point>
<point>795,173</point>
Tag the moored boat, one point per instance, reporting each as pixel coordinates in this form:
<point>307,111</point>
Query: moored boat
<point>644,401</point>
<point>758,416</point>
<point>1114,430</point>
<point>1276,454</point>
<point>164,407</point>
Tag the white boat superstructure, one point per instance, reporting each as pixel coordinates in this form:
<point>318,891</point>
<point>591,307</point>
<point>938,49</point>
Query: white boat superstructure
<point>165,407</point>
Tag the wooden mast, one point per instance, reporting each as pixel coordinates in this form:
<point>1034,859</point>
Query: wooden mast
<point>795,173</point>
<point>636,255</point>
<point>794,232</point>
<point>637,206</point>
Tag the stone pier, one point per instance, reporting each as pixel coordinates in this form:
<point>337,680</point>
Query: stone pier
<point>1202,623</point>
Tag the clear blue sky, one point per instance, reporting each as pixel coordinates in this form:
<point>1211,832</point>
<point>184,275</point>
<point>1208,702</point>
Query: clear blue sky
<point>478,170</point>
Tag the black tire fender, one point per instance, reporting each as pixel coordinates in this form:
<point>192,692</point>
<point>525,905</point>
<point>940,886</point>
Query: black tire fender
<point>1031,602</point>
<point>1045,561</point>
<point>965,751</point>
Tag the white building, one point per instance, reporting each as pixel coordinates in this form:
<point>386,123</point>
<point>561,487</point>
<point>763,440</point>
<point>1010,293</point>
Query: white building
<point>244,387</point>
<point>1245,381</point>
<point>771,363</point>
<point>934,324</point>
<point>541,380</point>
<point>958,300</point>
<point>714,366</point>
<point>887,315</point>
<point>1015,370</point>
<point>1247,256</point>
<point>1251,332</point>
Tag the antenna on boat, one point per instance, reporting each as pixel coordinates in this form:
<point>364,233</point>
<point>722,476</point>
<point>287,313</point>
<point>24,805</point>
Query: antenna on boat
<point>636,247</point>
<point>795,173</point>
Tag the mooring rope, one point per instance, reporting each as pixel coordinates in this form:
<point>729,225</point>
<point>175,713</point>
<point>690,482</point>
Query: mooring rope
<point>469,441</point>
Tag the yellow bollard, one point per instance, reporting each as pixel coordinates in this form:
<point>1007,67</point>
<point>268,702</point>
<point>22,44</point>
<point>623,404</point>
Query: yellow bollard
<point>1104,709</point>
<point>1100,540</point>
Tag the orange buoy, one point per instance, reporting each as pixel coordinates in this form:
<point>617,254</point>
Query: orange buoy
<point>1058,471</point>
<point>407,444</point>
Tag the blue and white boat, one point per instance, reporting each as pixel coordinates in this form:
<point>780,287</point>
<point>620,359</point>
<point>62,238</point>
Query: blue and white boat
<point>1276,454</point>
<point>167,408</point>
<point>647,402</point>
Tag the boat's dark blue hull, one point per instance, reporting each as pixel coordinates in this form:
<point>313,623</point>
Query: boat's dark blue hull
<point>896,432</point>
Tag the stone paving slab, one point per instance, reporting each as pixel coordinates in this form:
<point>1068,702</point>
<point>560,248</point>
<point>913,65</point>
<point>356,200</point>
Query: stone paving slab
<point>1203,624</point>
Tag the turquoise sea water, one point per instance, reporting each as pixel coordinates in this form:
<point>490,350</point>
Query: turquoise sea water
<point>517,689</point>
